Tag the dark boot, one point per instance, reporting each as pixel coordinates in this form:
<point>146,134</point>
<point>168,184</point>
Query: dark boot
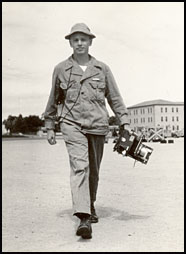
<point>93,217</point>
<point>84,230</point>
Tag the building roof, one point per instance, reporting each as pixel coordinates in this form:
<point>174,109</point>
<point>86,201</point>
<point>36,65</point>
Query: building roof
<point>155,102</point>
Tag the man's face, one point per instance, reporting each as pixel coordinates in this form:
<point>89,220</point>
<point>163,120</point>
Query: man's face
<point>80,43</point>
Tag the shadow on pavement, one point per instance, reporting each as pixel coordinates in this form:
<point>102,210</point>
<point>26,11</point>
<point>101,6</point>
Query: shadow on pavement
<point>105,212</point>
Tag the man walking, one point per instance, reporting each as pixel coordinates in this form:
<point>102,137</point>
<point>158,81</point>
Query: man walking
<point>79,87</point>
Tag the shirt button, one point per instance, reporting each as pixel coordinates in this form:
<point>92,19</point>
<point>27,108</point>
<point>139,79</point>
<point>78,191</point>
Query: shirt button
<point>82,92</point>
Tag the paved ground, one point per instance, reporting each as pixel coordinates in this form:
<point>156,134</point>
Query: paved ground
<point>140,209</point>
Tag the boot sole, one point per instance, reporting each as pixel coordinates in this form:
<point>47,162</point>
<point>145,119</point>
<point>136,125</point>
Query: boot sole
<point>84,232</point>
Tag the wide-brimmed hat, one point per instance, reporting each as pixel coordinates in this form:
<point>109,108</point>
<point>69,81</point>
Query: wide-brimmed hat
<point>80,28</point>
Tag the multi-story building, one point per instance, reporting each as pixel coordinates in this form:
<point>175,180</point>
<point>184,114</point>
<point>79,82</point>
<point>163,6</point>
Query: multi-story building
<point>157,114</point>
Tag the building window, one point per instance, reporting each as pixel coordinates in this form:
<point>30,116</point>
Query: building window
<point>143,111</point>
<point>173,127</point>
<point>141,120</point>
<point>166,110</point>
<point>161,110</point>
<point>162,119</point>
<point>173,118</point>
<point>176,109</point>
<point>177,128</point>
<point>177,118</point>
<point>149,110</point>
<point>166,118</point>
<point>151,119</point>
<point>136,111</point>
<point>172,110</point>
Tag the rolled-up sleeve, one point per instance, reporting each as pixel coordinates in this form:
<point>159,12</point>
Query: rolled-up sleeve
<point>114,98</point>
<point>51,108</point>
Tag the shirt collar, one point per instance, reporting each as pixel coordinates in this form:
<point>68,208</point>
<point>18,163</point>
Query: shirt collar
<point>71,62</point>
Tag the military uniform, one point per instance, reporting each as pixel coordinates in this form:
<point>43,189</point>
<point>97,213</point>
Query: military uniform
<point>84,121</point>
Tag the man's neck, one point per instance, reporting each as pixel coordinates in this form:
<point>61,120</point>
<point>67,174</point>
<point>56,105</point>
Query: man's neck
<point>81,59</point>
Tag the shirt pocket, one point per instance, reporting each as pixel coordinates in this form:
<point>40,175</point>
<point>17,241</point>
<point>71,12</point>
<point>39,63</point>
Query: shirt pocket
<point>97,90</point>
<point>72,92</point>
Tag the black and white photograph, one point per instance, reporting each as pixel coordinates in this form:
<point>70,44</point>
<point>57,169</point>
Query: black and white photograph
<point>92,127</point>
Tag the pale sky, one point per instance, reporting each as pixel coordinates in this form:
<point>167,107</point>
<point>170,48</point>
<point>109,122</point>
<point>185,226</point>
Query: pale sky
<point>143,44</point>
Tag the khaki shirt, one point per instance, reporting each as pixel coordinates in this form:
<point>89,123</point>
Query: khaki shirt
<point>84,97</point>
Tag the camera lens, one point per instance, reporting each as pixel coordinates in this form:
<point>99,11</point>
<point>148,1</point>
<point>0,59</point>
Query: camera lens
<point>143,152</point>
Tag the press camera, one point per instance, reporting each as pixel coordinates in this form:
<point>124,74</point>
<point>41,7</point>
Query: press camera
<point>130,144</point>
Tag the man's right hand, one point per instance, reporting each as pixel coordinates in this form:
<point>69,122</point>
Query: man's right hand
<point>51,137</point>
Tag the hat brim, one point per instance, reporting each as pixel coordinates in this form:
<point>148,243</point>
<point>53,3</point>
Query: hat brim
<point>67,37</point>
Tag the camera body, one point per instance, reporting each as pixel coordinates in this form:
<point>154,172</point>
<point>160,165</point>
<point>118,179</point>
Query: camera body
<point>130,144</point>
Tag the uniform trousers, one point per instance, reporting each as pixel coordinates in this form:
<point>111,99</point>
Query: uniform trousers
<point>85,155</point>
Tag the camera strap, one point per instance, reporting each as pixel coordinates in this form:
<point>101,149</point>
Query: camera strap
<point>69,110</point>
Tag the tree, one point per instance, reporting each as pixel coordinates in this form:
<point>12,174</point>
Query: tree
<point>9,123</point>
<point>33,123</point>
<point>30,124</point>
<point>18,124</point>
